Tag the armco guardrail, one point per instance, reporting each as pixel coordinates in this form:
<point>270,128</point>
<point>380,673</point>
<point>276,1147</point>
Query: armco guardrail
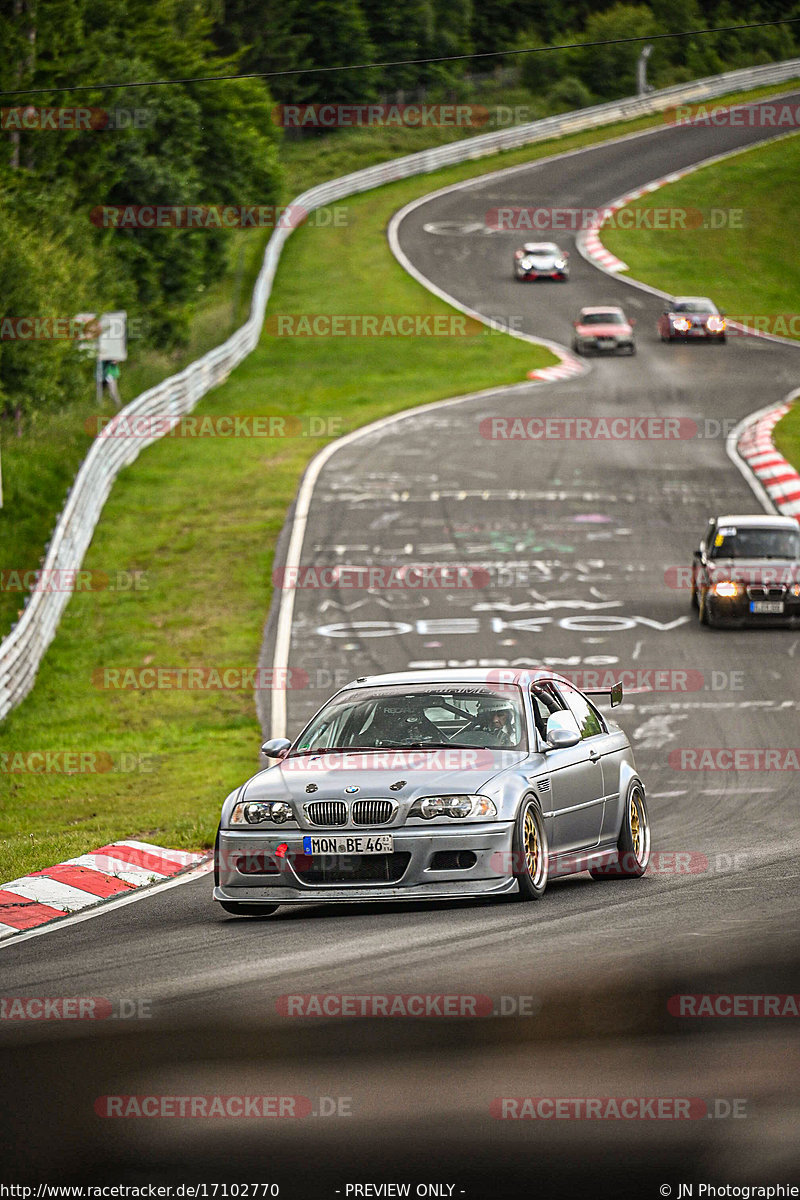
<point>22,651</point>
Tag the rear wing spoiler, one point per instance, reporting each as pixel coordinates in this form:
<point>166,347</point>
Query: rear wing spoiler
<point>615,692</point>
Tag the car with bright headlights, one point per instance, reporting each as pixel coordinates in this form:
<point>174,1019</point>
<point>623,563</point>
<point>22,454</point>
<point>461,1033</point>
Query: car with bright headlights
<point>541,260</point>
<point>603,330</point>
<point>692,318</point>
<point>436,785</point>
<point>746,571</point>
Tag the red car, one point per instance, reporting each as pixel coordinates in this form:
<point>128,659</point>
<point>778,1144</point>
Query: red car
<point>691,317</point>
<point>603,330</point>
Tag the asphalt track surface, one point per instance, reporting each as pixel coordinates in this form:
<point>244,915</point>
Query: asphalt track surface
<point>579,538</point>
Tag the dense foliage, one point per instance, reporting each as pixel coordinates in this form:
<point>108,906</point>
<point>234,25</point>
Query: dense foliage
<point>217,143</point>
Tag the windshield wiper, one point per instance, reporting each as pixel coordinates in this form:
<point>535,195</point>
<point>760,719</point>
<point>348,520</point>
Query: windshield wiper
<point>330,750</point>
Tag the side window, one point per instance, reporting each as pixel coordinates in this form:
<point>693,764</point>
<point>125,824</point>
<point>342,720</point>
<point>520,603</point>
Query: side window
<point>545,700</point>
<point>590,723</point>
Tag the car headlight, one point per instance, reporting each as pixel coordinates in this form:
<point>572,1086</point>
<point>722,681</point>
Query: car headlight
<point>526,263</point>
<point>560,264</point>
<point>255,812</point>
<point>727,588</point>
<point>794,590</point>
<point>715,324</point>
<point>681,324</point>
<point>453,806</point>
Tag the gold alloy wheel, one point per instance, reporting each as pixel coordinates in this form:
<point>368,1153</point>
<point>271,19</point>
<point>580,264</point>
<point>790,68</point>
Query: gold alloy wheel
<point>636,828</point>
<point>531,844</point>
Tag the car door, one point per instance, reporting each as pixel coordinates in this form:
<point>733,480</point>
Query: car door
<point>575,799</point>
<point>581,824</point>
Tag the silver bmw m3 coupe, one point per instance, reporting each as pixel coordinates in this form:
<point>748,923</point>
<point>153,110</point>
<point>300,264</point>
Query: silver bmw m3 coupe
<point>433,786</point>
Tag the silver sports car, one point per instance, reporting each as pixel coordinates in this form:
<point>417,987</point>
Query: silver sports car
<point>432,785</point>
<point>541,260</point>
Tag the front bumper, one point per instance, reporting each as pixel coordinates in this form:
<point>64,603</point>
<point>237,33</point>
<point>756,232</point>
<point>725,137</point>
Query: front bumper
<point>490,874</point>
<point>616,344</point>
<point>736,611</point>
<point>529,275</point>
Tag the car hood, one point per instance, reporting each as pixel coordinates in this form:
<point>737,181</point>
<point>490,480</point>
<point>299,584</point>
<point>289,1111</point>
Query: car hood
<point>422,773</point>
<point>606,331</point>
<point>756,570</point>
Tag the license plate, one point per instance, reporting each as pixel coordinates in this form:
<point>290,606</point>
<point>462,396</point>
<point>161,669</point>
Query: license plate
<point>605,343</point>
<point>766,606</point>
<point>341,843</point>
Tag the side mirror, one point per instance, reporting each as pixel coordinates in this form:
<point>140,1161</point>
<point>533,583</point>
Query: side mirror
<point>275,748</point>
<point>566,254</point>
<point>632,322</point>
<point>616,694</point>
<point>562,731</point>
<point>562,739</point>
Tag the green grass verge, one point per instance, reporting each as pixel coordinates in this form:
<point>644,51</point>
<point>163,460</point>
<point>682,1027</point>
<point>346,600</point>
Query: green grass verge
<point>786,436</point>
<point>763,185</point>
<point>761,190</point>
<point>199,518</point>
<point>40,466</point>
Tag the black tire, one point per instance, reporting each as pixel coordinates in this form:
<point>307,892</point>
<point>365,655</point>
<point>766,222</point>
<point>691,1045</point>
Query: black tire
<point>632,349</point>
<point>239,909</point>
<point>633,847</point>
<point>702,608</point>
<point>576,348</point>
<point>531,852</point>
<point>694,601</point>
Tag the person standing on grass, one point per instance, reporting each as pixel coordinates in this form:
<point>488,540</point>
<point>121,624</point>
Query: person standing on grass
<point>110,377</point>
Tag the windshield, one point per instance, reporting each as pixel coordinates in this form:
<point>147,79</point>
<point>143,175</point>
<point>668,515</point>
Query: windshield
<point>602,318</point>
<point>755,543</point>
<point>418,715</point>
<point>694,306</point>
<point>544,248</point>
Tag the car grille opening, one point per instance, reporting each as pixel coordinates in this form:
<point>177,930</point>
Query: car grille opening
<point>453,860</point>
<point>759,591</point>
<point>372,812</point>
<point>254,863</point>
<point>352,868</point>
<point>327,812</point>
